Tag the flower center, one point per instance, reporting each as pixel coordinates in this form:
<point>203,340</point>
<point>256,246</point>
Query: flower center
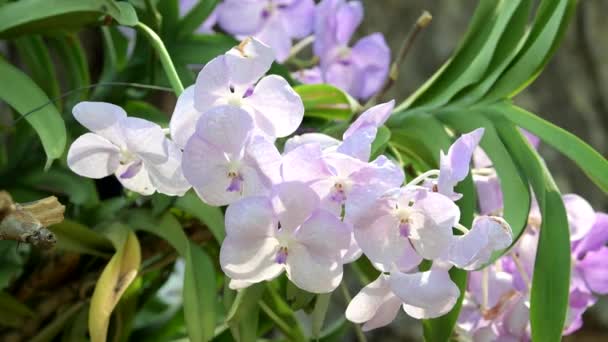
<point>234,99</point>
<point>282,254</point>
<point>405,219</point>
<point>126,157</point>
<point>339,190</point>
<point>343,55</point>
<point>236,182</point>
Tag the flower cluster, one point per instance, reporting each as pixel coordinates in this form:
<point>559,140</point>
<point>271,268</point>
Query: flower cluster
<point>309,210</point>
<point>359,70</point>
<point>496,304</point>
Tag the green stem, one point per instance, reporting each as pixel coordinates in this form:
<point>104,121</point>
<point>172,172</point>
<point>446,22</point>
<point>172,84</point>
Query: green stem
<point>165,59</point>
<point>281,324</point>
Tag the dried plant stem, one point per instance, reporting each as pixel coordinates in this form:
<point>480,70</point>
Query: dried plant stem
<point>27,222</point>
<point>423,21</point>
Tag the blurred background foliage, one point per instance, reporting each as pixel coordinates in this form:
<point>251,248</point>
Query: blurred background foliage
<point>48,294</point>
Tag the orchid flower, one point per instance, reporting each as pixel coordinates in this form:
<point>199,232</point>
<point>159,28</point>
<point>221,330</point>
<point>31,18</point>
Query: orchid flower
<point>216,161</point>
<point>422,295</point>
<point>274,22</point>
<point>234,79</point>
<point>360,70</point>
<point>133,149</point>
<point>286,231</point>
<point>454,167</point>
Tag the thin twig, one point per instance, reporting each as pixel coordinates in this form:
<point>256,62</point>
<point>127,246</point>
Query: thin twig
<point>100,84</point>
<point>423,21</point>
<point>347,297</point>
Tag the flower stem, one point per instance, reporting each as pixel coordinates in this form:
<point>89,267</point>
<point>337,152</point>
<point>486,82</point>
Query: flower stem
<point>423,177</point>
<point>461,228</point>
<point>165,59</point>
<point>423,21</point>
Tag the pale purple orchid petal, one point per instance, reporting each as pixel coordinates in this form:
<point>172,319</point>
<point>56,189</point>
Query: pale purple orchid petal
<point>383,242</point>
<point>431,225</point>
<point>382,174</point>
<point>274,34</point>
<point>359,145</point>
<point>312,272</point>
<point>581,216</point>
<point>184,118</point>
<point>139,182</point>
<point>241,17</point>
<point>595,238</point>
<point>376,116</point>
<point>266,158</point>
<point>250,260</point>
<point>343,74</point>
<point>335,23</point>
<point>309,76</point>
<point>324,234</point>
<point>145,139</point>
<point>324,141</point>
<point>132,169</point>
<point>353,252</point>
<point>212,85</point>
<point>103,119</point>
<point>248,62</point>
<point>593,268</point>
<point>342,165</point>
<point>168,177</point>
<point>226,127</point>
<point>373,57</point>
<point>532,139</point>
<point>375,305</point>
<point>517,318</point>
<point>278,108</point>
<point>206,169</point>
<point>454,166</point>
<point>305,164</point>
<point>251,218</point>
<point>427,294</point>
<point>248,253</point>
<point>293,203</point>
<point>93,156</point>
<point>348,18</point>
<point>489,194</point>
<point>499,285</point>
<point>298,18</point>
<point>474,249</point>
<point>236,284</point>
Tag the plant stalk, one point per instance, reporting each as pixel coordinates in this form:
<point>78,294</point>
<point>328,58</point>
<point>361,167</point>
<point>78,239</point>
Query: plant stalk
<point>165,59</point>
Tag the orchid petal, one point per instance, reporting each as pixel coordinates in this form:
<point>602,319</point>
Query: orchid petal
<point>184,118</point>
<point>427,294</point>
<point>311,271</point>
<point>101,118</point>
<point>279,109</point>
<point>375,305</point>
<point>93,156</point>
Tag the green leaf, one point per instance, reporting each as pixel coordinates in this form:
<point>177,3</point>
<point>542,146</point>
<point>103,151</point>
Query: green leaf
<point>116,277</point>
<point>44,16</point>
<point>147,111</point>
<point>200,49</point>
<point>468,48</point>
<point>588,159</point>
<point>212,217</point>
<point>550,23</point>
<point>75,237</point>
<point>470,66</point>
<point>379,144</point>
<point>199,294</point>
<point>13,313</point>
<point>243,316</point>
<point>34,53</point>
<point>74,62</point>
<point>195,18</point>
<point>297,298</point>
<point>21,93</point>
<point>510,44</point>
<point>514,187</point>
<point>324,101</point>
<point>199,280</point>
<point>551,279</point>
<point>51,330</point>
<point>319,313</point>
<point>81,191</point>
